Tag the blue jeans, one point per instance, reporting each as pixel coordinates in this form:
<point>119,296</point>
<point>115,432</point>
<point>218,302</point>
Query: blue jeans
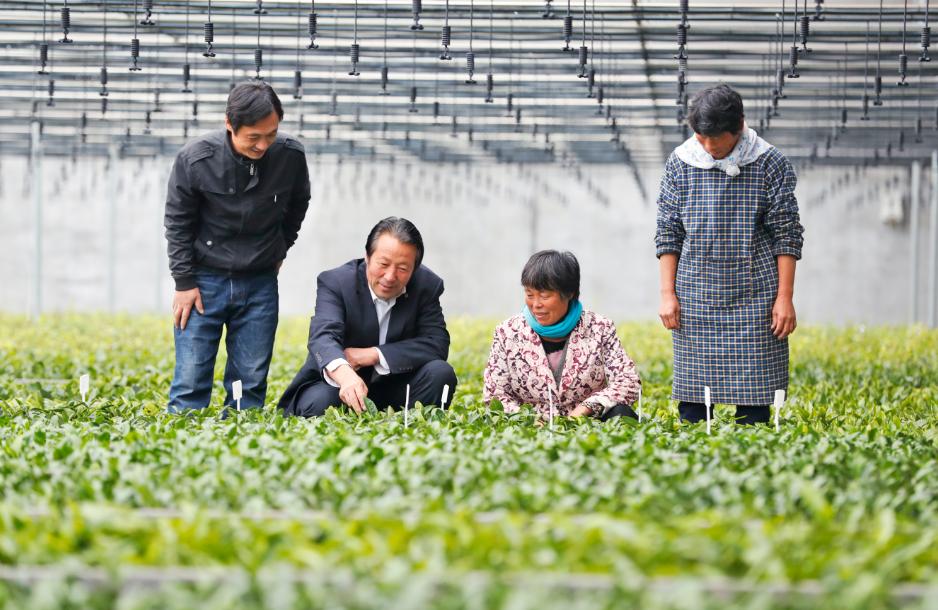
<point>248,308</point>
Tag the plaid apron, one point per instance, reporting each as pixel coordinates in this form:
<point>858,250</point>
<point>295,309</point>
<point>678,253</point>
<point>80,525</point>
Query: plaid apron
<point>728,232</point>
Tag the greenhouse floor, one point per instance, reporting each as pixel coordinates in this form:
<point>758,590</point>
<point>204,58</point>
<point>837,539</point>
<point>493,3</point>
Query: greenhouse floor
<point>110,502</point>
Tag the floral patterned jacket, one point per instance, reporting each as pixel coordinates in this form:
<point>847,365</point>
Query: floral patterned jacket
<point>596,372</point>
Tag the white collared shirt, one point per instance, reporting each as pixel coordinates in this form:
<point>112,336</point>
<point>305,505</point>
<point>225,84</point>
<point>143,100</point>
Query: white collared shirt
<point>383,311</point>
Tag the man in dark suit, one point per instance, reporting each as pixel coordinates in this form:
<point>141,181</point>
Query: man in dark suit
<point>378,327</point>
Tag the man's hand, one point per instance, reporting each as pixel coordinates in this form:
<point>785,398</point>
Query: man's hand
<point>352,389</point>
<point>360,357</point>
<point>783,317</point>
<point>670,311</point>
<point>183,301</point>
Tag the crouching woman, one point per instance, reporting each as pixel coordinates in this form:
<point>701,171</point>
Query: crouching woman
<point>557,356</point>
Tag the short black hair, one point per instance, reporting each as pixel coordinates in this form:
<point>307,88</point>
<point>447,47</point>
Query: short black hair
<point>553,270</point>
<point>716,110</point>
<point>400,229</point>
<point>250,102</point>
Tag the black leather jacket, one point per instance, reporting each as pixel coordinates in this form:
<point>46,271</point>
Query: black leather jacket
<point>231,215</point>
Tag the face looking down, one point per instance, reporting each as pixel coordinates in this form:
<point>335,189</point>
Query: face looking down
<point>390,266</point>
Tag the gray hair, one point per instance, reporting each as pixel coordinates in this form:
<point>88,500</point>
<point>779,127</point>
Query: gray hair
<point>400,229</point>
<point>553,270</point>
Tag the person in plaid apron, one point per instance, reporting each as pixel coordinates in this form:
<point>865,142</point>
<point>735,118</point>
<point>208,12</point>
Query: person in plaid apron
<point>728,236</point>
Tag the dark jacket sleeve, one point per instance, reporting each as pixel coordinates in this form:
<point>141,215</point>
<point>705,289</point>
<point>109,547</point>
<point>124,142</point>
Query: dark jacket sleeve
<point>181,223</point>
<point>299,198</point>
<point>327,328</point>
<point>431,341</point>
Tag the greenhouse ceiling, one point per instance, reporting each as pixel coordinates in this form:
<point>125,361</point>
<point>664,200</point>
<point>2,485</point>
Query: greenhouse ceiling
<point>588,81</point>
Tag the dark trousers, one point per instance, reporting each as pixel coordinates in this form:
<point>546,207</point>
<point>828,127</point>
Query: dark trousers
<point>620,410</point>
<point>694,412</point>
<point>247,309</point>
<point>426,387</point>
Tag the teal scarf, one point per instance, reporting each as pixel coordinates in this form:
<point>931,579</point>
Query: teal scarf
<point>559,330</point>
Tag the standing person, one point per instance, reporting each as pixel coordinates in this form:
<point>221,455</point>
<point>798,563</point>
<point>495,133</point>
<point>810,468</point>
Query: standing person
<point>235,202</point>
<point>378,328</point>
<point>727,239</point>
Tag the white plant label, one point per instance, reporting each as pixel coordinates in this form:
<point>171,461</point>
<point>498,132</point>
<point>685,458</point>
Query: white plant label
<point>707,405</point>
<point>406,404</point>
<point>84,384</point>
<point>236,391</point>
<point>639,405</point>
<point>779,402</point>
<point>550,412</point>
<point>445,395</point>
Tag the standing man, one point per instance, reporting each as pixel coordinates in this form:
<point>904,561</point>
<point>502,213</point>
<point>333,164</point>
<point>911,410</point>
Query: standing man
<point>234,206</point>
<point>378,327</point>
<point>727,241</point>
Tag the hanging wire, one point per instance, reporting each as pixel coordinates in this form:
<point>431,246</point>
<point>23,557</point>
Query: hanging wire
<point>446,35</point>
<point>44,45</point>
<point>258,52</point>
<point>413,73</point>
<point>779,91</point>
<point>186,68</point>
<point>384,54</point>
<point>866,77</point>
<point>298,71</point>
<point>208,29</point>
<point>470,54</point>
<point>878,79</point>
<point>103,74</point>
<point>584,50</point>
<point>918,115</point>
<point>591,73</point>
<point>926,37</point>
<point>903,58</point>
<point>355,49</point>
<point>793,51</point>
<point>312,25</point>
<point>489,78</point>
<point>135,45</point>
<point>234,47</point>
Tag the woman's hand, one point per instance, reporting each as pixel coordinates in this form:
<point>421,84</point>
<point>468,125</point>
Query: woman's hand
<point>783,317</point>
<point>670,311</point>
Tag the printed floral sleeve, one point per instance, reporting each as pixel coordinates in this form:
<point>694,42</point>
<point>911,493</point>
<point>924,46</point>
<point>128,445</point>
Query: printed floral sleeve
<point>497,377</point>
<point>623,384</point>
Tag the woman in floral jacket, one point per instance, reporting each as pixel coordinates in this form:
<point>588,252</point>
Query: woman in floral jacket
<point>557,355</point>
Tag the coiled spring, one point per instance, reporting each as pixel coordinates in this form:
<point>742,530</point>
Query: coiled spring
<point>208,29</point>
<point>297,85</point>
<point>416,7</point>
<point>926,42</point>
<point>186,77</point>
<point>135,55</point>
<point>258,62</point>
<point>446,37</point>
<point>903,70</point>
<point>805,29</point>
<point>354,55</point>
<point>470,67</point>
<point>66,24</point>
<point>489,88</point>
<point>311,26</point>
<point>567,32</point>
<point>43,57</point>
<point>878,90</point>
<point>793,62</point>
<point>583,56</point>
<point>102,78</point>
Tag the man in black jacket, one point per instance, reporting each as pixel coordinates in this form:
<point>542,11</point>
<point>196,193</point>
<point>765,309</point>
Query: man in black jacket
<point>235,202</point>
<point>378,328</point>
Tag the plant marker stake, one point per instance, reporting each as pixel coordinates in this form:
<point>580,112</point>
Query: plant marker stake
<point>707,404</point>
<point>236,393</point>
<point>639,405</point>
<point>445,396</point>
<point>779,401</point>
<point>550,413</point>
<point>406,402</point>
<point>84,383</point>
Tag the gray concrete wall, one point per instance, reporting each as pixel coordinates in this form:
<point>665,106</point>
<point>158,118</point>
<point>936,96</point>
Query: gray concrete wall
<point>479,223</point>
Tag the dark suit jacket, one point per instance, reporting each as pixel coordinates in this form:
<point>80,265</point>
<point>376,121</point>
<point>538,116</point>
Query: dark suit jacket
<point>345,317</point>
